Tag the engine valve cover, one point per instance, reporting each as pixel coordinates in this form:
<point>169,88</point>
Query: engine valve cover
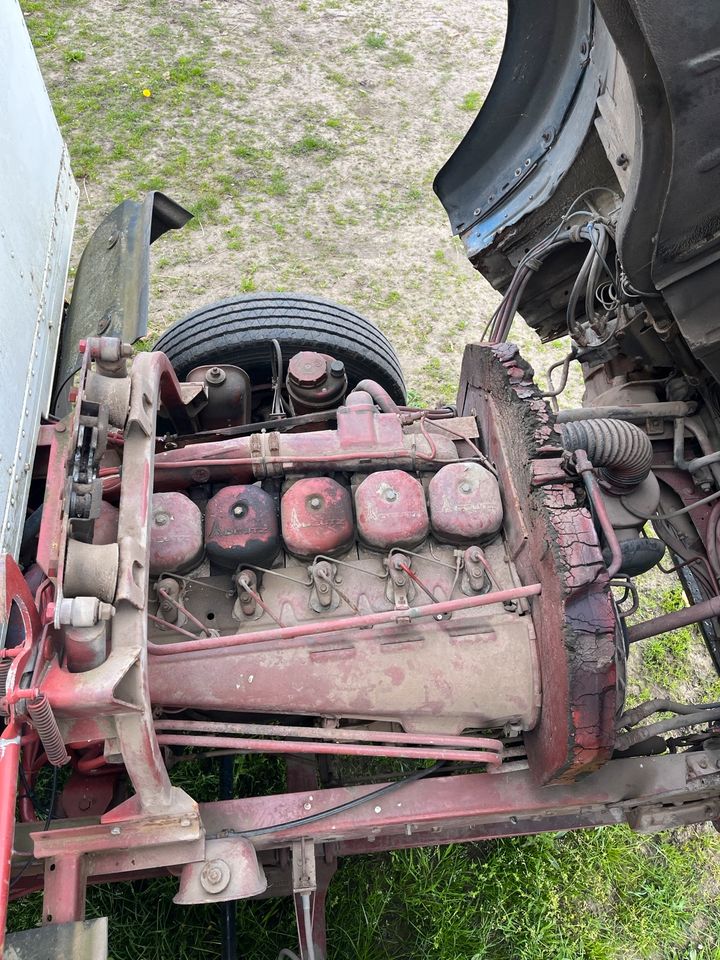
<point>391,510</point>
<point>465,505</point>
<point>317,517</point>
<point>241,527</point>
<point>176,540</point>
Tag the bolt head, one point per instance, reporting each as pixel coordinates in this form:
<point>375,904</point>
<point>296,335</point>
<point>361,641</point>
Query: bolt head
<point>239,510</point>
<point>337,369</point>
<point>465,487</point>
<point>391,495</point>
<point>315,503</point>
<point>215,876</point>
<point>161,519</point>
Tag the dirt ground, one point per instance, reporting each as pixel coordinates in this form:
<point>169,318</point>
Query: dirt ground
<point>305,137</point>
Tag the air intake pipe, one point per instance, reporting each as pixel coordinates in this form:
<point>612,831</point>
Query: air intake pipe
<point>620,451</point>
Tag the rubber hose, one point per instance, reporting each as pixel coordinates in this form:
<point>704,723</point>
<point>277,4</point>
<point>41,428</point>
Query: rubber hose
<point>621,451</point>
<point>379,395</point>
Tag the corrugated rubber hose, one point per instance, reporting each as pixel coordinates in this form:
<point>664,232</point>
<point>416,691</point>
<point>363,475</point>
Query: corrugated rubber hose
<point>621,451</point>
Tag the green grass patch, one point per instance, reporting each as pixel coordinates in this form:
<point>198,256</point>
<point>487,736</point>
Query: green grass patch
<point>472,101</point>
<point>375,40</point>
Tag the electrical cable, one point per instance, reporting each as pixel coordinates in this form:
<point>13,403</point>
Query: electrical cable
<point>349,805</point>
<point>48,820</point>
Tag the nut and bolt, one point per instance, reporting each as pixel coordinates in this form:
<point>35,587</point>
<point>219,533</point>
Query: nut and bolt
<point>391,495</point>
<point>239,510</point>
<point>337,369</point>
<point>161,519</point>
<point>465,487</point>
<point>215,375</point>
<point>315,503</point>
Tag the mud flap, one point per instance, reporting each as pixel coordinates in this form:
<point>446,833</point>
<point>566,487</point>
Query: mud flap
<point>110,295</point>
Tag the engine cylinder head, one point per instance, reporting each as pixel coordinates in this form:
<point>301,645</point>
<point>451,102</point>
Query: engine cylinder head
<point>465,505</point>
<point>391,510</point>
<point>241,527</point>
<point>317,517</point>
<point>176,540</point>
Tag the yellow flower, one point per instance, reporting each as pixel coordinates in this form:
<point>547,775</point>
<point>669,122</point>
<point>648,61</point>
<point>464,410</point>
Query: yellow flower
<point>147,93</point>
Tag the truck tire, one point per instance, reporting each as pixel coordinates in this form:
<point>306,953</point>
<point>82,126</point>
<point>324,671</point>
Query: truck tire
<point>239,331</point>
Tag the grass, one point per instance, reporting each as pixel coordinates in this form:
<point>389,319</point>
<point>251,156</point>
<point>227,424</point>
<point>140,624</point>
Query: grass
<point>305,139</point>
<point>472,101</point>
<point>599,895</point>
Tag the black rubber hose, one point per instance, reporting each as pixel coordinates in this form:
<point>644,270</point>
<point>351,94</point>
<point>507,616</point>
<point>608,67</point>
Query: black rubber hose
<point>621,451</point>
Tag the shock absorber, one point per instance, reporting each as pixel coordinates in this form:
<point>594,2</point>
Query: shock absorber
<point>47,728</point>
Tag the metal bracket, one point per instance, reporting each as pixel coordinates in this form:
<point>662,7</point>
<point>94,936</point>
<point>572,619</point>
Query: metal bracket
<point>304,878</point>
<point>475,577</point>
<point>322,595</point>
<point>400,589</point>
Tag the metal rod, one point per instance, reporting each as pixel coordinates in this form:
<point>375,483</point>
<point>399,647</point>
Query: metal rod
<point>348,734</point>
<point>164,595</point>
<point>695,613</point>
<point>9,764</point>
<point>343,623</point>
<point>228,910</point>
<point>638,412</point>
<point>340,749</point>
<point>585,468</point>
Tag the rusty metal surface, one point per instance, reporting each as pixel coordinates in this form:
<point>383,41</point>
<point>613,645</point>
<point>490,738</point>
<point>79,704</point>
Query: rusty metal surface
<point>482,673</point>
<point>391,510</point>
<point>229,395</point>
<point>176,533</point>
<point>551,538</point>
<point>464,502</point>
<point>317,517</point>
<point>241,527</point>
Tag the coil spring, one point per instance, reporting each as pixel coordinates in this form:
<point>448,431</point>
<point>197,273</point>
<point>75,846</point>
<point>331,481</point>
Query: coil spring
<point>47,728</point>
<point>4,671</point>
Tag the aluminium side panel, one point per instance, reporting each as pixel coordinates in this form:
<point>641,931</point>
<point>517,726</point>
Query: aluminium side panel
<point>38,203</point>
